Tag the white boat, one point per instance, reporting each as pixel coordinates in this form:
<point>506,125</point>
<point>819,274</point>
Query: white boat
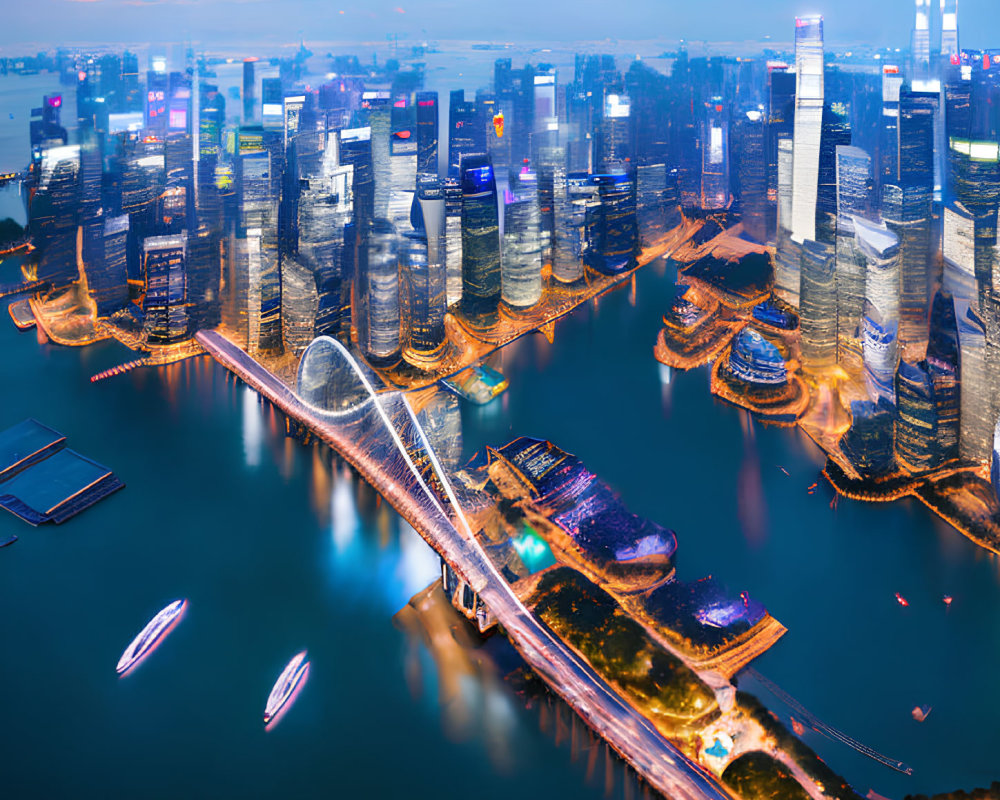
<point>291,676</point>
<point>156,629</point>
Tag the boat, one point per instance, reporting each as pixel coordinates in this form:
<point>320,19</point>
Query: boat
<point>920,713</point>
<point>947,599</point>
<point>902,600</point>
<point>154,632</point>
<point>8,541</point>
<point>291,676</point>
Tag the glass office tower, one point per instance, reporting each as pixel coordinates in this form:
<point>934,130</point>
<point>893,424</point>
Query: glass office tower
<point>808,125</point>
<point>165,301</point>
<point>818,308</point>
<point>424,276</point>
<point>854,199</point>
<point>920,46</point>
<point>613,237</point>
<point>480,242</point>
<point>787,258</point>
<point>427,133</point>
<point>377,315</point>
<point>402,163</point>
<point>715,156</point>
<point>521,258</point>
<point>325,207</point>
<point>880,323</point>
<point>107,278</point>
<point>55,214</point>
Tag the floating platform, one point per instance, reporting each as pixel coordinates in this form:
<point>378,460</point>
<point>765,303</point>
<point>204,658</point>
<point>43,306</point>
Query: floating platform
<point>41,480</point>
<point>25,444</point>
<point>21,314</point>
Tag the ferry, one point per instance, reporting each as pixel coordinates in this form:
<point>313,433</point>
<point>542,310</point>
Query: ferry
<point>154,632</point>
<point>291,676</point>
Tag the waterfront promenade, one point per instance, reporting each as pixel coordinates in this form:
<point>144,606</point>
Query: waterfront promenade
<point>366,436</point>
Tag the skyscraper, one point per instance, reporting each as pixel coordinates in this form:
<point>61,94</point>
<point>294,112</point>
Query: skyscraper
<point>854,199</point>
<point>376,296</point>
<point>818,306</point>
<point>949,30</point>
<point>880,324</point>
<point>808,125</point>
<point>715,156</point>
<point>427,133</point>
<point>480,242</point>
<point>249,90</point>
<point>402,163</point>
<point>521,264</point>
<point>165,301</point>
<point>424,278</point>
<point>787,281</point>
<point>55,214</point>
<point>920,47</point>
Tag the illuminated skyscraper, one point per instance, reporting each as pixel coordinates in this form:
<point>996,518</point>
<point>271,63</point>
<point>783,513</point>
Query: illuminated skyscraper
<point>780,125</point>
<point>650,194</point>
<point>424,277</point>
<point>575,201</point>
<point>107,277</point>
<point>521,265</point>
<point>453,237</point>
<point>249,90</point>
<point>787,259</point>
<point>402,163</point>
<point>325,207</point>
<point>466,132</point>
<point>818,306</point>
<point>715,156</point>
<point>355,151</point>
<point>976,422</point>
<point>272,105</point>
<point>55,215</point>
<point>880,324</point>
<point>808,125</point>
<point>749,158</point>
<point>480,242</point>
<point>854,199</point>
<point>949,30</point>
<point>612,236</point>
<point>615,145</point>
<point>376,296</point>
<point>427,133</point>
<point>165,301</point>
<point>380,124</point>
<point>920,47</point>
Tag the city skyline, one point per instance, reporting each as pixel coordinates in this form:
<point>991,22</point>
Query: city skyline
<point>568,393</point>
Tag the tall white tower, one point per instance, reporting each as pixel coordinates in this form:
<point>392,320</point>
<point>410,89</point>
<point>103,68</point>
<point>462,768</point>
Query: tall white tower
<point>921,45</point>
<point>949,29</point>
<point>808,125</point>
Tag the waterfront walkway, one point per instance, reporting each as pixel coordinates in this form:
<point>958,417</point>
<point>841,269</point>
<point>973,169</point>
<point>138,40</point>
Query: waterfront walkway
<point>381,438</point>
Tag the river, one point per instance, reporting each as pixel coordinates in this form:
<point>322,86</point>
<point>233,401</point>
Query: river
<point>277,548</point>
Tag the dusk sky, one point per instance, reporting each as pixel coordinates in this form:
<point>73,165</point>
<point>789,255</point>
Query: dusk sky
<point>228,21</point>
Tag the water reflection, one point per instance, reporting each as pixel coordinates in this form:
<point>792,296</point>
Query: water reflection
<point>752,505</point>
<point>253,427</point>
<point>666,390</point>
<point>482,688</point>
